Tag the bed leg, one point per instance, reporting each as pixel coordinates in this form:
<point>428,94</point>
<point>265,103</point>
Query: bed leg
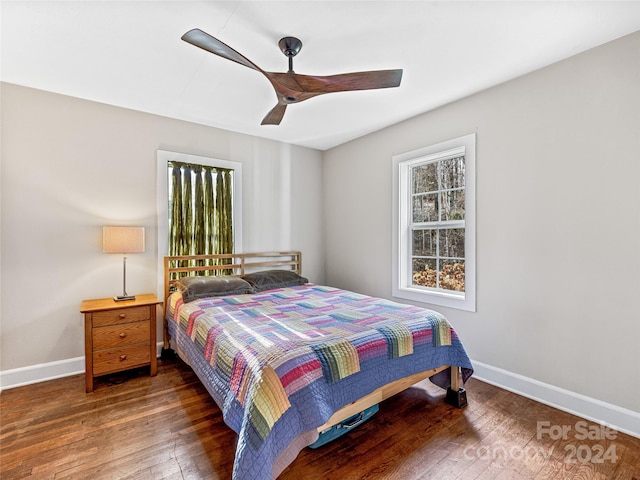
<point>167,354</point>
<point>456,395</point>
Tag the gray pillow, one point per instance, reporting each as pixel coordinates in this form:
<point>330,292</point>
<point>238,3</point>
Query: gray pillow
<point>270,279</point>
<point>193,288</point>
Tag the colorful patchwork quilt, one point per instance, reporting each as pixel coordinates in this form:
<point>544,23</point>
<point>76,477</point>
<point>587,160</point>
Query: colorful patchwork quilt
<point>280,362</point>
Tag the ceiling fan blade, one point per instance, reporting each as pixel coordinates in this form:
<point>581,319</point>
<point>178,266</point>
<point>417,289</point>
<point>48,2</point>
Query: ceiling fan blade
<point>345,82</point>
<point>211,44</point>
<point>274,117</point>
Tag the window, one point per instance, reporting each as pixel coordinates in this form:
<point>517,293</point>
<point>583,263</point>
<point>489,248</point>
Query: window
<point>202,182</point>
<point>434,224</point>
<point>200,209</point>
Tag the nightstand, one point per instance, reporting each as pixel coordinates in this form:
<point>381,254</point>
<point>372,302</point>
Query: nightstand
<point>119,335</point>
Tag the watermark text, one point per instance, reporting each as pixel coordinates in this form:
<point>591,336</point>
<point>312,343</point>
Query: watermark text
<point>581,445</point>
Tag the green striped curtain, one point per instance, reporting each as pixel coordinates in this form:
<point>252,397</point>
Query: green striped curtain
<point>200,210</point>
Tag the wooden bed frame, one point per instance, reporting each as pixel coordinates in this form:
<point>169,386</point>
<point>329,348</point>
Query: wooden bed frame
<point>241,263</point>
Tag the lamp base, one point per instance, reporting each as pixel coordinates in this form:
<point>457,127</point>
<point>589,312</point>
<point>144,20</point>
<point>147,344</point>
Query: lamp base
<point>121,298</point>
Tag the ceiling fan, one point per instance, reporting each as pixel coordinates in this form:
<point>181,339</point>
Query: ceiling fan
<point>293,87</point>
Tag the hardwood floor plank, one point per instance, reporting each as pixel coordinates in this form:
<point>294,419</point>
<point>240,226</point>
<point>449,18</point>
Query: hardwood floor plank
<point>168,428</point>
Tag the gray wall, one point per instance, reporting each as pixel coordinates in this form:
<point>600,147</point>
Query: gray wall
<point>70,166</point>
<point>558,220</point>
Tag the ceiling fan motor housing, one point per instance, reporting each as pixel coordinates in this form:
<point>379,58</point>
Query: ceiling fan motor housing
<point>290,46</point>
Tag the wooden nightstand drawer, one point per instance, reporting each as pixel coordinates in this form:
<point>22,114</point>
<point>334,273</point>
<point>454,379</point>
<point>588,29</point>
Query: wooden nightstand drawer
<point>123,358</point>
<point>120,315</point>
<point>120,335</point>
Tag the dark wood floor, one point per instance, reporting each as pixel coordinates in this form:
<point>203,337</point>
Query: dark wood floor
<point>167,427</point>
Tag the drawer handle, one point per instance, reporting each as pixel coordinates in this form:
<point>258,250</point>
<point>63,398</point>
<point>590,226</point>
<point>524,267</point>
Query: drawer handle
<point>123,315</point>
<point>123,358</point>
<point>122,335</point>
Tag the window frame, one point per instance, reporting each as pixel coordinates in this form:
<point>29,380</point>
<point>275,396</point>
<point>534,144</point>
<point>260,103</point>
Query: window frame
<point>165,156</point>
<point>402,286</point>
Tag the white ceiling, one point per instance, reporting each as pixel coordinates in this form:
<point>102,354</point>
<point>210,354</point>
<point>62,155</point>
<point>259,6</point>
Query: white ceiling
<point>129,54</point>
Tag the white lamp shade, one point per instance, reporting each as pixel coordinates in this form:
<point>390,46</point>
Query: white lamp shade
<point>122,239</point>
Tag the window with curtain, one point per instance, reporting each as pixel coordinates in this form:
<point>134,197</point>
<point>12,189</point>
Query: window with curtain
<point>200,209</point>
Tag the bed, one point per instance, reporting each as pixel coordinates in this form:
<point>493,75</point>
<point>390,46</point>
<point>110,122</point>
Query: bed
<point>285,359</point>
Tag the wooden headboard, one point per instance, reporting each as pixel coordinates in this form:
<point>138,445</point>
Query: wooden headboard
<point>176,267</point>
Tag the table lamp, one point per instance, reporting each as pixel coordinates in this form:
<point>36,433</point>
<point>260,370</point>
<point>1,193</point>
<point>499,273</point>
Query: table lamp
<point>123,240</point>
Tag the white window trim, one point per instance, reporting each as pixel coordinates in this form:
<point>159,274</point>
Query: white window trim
<point>165,156</point>
<point>401,272</point>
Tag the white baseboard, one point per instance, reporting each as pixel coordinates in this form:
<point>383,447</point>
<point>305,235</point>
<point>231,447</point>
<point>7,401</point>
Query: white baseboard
<point>618,418</point>
<point>42,372</point>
